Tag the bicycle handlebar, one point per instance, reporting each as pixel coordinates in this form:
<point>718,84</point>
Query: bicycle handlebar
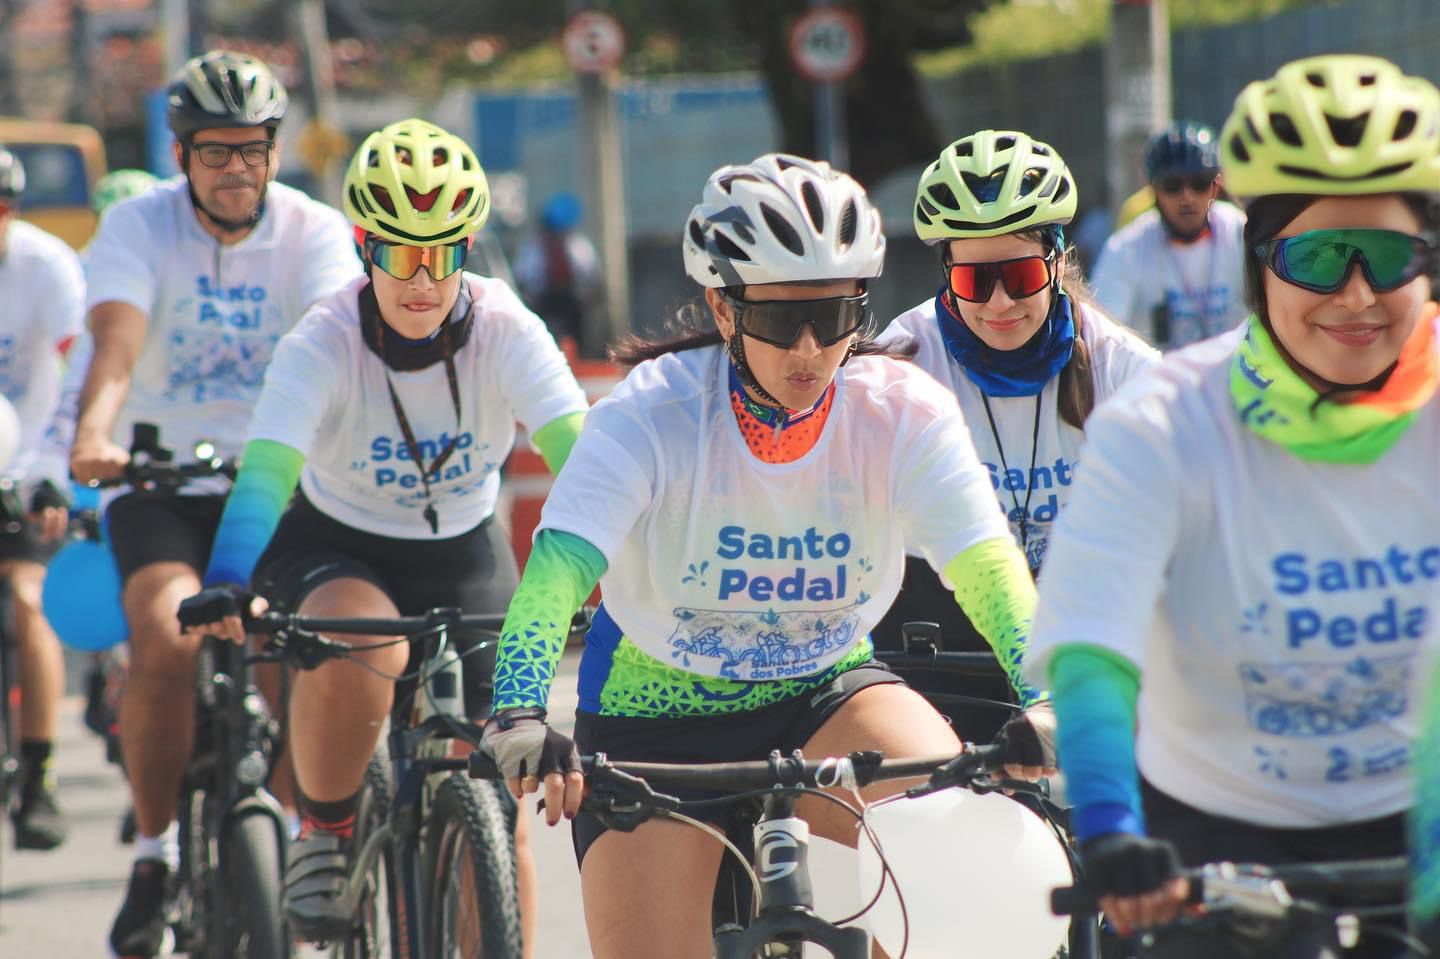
<point>976,664</point>
<point>1266,891</point>
<point>152,466</point>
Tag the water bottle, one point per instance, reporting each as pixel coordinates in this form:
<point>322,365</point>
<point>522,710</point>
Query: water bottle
<point>442,693</point>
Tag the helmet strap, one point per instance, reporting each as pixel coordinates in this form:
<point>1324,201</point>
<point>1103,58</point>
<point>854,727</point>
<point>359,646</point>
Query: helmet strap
<point>736,346</point>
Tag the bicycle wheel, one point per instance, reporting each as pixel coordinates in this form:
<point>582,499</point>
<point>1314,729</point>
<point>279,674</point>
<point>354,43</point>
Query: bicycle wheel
<point>245,911</point>
<point>376,935</point>
<point>470,855</point>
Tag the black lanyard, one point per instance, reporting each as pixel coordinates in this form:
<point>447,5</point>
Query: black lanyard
<point>431,516</point>
<point>1030,478</point>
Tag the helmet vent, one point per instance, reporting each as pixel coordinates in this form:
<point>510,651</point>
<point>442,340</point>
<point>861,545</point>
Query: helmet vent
<point>1030,179</point>
<point>927,206</point>
<point>1063,190</point>
<point>728,248</point>
<point>1237,146</point>
<point>382,198</point>
<point>439,156</point>
<point>782,230</point>
<point>1315,80</point>
<point>782,164</point>
<point>372,160</point>
<point>1004,143</point>
<point>1040,149</point>
<point>1284,129</point>
<point>984,188</point>
<point>813,206</point>
<point>462,198</point>
<point>422,201</point>
<point>697,236</point>
<point>943,196</point>
<point>1405,126</point>
<point>1347,131</point>
<point>923,212</point>
<point>743,232</point>
<point>1367,80</point>
<point>849,219</point>
<point>964,148</point>
<point>1049,187</point>
<point>967,226</point>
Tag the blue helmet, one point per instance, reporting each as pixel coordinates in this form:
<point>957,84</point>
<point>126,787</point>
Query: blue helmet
<point>561,212</point>
<point>1183,147</point>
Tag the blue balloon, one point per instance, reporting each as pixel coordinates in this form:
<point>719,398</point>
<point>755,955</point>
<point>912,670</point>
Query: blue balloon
<point>82,597</point>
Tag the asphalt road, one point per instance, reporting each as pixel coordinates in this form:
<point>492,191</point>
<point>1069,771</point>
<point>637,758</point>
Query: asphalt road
<point>60,904</point>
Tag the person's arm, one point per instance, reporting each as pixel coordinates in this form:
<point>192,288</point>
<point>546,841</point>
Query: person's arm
<point>267,480</point>
<point>1095,692</point>
<point>562,570</point>
<point>118,332</point>
<point>993,586</point>
<point>1113,286</point>
<point>556,438</point>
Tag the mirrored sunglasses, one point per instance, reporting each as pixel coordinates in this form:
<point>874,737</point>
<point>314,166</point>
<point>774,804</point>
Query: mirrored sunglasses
<point>1022,277</point>
<point>1321,260</point>
<point>402,261</point>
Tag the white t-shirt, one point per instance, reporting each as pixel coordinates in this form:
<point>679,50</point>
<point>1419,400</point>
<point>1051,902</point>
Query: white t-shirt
<point>1029,498</point>
<point>215,312</point>
<point>1275,606</point>
<point>1201,284</point>
<point>43,291</point>
<point>325,395</point>
<point>724,565</point>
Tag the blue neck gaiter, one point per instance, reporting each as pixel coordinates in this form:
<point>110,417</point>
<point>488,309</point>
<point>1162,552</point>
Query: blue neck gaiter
<point>1019,372</point>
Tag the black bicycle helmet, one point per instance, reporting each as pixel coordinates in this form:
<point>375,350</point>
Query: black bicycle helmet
<point>1183,147</point>
<point>12,176</point>
<point>224,89</point>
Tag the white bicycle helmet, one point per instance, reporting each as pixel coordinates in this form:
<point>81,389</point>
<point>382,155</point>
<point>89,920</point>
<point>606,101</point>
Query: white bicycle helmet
<point>782,219</point>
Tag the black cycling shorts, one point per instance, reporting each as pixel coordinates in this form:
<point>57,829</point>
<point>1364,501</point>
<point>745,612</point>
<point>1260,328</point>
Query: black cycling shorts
<point>734,737</point>
<point>1201,837</point>
<point>474,571</point>
<point>145,528</point>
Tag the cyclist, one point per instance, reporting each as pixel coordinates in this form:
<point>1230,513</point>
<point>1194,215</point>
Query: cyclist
<point>1251,545</point>
<point>747,502</point>
<point>1014,336</point>
<point>190,287</point>
<point>43,288</point>
<point>1176,274</point>
<point>393,405</point>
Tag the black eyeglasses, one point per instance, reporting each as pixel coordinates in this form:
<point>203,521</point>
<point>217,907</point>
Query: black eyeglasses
<point>1197,182</point>
<point>780,322</point>
<point>255,153</point>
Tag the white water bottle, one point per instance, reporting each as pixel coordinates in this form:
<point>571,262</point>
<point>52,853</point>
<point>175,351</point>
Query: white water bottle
<point>442,691</point>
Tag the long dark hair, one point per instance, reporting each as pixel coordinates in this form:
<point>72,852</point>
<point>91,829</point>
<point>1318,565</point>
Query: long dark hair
<point>691,327</point>
<point>1076,386</point>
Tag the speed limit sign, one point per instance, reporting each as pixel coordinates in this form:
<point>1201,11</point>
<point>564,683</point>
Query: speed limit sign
<point>827,45</point>
<point>594,41</point>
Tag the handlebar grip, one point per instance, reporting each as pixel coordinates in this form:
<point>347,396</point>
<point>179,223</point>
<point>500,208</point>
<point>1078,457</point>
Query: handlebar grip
<point>482,766</point>
<point>1073,900</point>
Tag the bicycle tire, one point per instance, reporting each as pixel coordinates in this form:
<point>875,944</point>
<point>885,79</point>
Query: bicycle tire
<point>245,915</point>
<point>376,935</point>
<point>470,858</point>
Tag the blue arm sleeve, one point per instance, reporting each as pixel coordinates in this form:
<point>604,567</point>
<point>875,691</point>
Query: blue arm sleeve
<point>1425,814</point>
<point>1094,693</point>
<point>262,490</point>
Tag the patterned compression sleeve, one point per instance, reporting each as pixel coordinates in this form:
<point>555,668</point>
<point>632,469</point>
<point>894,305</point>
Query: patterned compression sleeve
<point>555,439</point>
<point>266,482</point>
<point>1425,814</point>
<point>561,572</point>
<point>1095,691</point>
<point>994,587</point>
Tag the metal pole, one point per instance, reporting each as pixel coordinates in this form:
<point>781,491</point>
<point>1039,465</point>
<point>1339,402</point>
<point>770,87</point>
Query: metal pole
<point>605,196</point>
<point>175,15</point>
<point>830,139</point>
<point>1137,90</point>
<point>320,79</point>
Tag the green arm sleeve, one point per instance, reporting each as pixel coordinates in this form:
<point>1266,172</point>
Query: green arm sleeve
<point>556,438</point>
<point>994,587</point>
<point>561,572</point>
<point>1425,813</point>
<point>266,482</point>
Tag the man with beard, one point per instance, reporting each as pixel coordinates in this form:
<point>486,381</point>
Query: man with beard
<point>1174,274</point>
<point>189,288</point>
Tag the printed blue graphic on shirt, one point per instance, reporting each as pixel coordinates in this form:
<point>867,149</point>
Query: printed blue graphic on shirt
<point>1043,486</point>
<point>14,374</point>
<point>1199,314</point>
<point>1305,700</point>
<point>768,645</point>
<point>222,355</point>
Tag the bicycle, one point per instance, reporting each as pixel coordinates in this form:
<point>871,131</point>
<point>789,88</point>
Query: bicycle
<point>233,833</point>
<point>434,870</point>
<point>623,795</point>
<point>1258,906</point>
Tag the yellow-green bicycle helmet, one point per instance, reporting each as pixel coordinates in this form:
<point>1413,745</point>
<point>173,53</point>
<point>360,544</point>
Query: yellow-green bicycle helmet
<point>414,183</point>
<point>1333,125</point>
<point>992,183</point>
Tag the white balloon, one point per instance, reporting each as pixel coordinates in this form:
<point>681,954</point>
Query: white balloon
<point>9,433</point>
<point>976,872</point>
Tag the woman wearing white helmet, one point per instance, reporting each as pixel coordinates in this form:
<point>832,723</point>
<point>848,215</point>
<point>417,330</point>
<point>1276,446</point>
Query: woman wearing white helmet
<point>1014,335</point>
<point>391,406</point>
<point>1237,594</point>
<point>747,495</point>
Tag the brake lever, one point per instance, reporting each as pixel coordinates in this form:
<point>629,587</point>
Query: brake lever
<point>314,650</point>
<point>621,801</point>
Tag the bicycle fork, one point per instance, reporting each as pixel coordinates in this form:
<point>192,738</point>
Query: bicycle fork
<point>787,901</point>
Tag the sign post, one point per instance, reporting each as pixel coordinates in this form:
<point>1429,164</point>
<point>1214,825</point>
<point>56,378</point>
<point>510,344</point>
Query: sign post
<point>827,45</point>
<point>594,44</point>
<point>1137,90</point>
